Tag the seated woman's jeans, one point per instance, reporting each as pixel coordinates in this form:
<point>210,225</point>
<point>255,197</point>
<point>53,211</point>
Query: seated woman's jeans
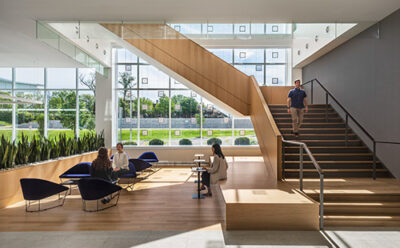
<point>205,178</point>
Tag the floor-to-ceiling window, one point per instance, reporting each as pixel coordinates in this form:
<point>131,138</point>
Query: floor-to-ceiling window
<point>66,99</point>
<point>155,109</point>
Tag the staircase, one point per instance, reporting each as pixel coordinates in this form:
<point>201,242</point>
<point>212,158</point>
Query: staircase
<point>351,197</point>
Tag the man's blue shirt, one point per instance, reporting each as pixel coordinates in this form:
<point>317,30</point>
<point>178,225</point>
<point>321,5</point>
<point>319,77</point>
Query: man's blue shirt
<point>297,96</point>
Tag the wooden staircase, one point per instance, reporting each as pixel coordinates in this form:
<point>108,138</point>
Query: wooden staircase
<point>351,197</point>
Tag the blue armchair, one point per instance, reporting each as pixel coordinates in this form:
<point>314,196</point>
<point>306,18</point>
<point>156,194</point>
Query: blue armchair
<point>95,189</point>
<point>139,164</point>
<point>130,176</point>
<point>149,157</point>
<point>81,170</point>
<point>34,189</point>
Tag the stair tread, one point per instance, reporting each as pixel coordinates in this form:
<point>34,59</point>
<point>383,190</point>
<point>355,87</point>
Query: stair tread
<point>334,154</point>
<point>321,134</point>
<point>363,217</point>
<point>334,161</point>
<point>316,128</point>
<point>331,147</point>
<point>362,204</point>
<point>336,170</point>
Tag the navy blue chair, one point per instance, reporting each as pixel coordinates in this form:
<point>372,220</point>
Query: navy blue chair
<point>131,176</point>
<point>149,157</point>
<point>139,164</point>
<point>34,189</point>
<point>81,170</point>
<point>95,189</point>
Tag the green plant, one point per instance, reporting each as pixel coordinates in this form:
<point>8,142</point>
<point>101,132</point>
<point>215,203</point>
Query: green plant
<point>40,149</point>
<point>156,142</point>
<point>242,141</point>
<point>130,143</point>
<point>214,141</point>
<point>185,142</point>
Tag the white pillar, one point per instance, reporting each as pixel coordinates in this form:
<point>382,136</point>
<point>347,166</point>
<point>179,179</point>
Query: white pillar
<point>104,106</point>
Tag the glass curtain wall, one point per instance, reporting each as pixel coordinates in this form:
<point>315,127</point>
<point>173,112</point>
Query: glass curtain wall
<point>268,65</point>
<point>67,96</point>
<point>155,109</point>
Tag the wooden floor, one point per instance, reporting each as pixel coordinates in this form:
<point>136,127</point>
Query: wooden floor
<point>161,202</point>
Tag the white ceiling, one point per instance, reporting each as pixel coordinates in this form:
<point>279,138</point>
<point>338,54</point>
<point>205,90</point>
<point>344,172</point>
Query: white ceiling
<point>18,46</point>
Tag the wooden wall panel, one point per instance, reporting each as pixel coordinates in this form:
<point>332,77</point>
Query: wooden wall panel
<point>10,188</point>
<point>275,94</point>
<point>268,135</point>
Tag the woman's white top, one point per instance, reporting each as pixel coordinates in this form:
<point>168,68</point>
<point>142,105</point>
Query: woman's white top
<point>121,161</point>
<point>218,169</point>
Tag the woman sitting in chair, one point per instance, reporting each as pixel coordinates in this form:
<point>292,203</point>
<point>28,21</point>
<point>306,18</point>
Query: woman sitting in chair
<point>101,168</point>
<point>120,162</point>
<point>217,171</point>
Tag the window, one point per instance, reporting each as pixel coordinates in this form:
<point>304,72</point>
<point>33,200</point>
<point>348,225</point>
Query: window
<point>59,87</point>
<point>154,116</point>
<point>168,110</point>
<point>186,117</point>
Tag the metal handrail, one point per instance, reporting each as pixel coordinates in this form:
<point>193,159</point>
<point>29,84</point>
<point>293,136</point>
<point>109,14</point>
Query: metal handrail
<point>327,95</point>
<point>303,146</point>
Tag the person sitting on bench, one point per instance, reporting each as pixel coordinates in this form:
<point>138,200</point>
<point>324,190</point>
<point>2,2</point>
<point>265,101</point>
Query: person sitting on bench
<point>217,171</point>
<point>120,161</point>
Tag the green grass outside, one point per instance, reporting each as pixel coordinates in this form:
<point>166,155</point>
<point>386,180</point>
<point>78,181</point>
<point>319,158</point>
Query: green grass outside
<point>163,134</point>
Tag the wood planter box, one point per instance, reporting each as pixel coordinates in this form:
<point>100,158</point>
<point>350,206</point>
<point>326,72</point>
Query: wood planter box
<point>10,188</point>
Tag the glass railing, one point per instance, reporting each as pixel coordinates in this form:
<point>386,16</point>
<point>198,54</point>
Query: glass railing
<point>234,30</point>
<point>63,45</point>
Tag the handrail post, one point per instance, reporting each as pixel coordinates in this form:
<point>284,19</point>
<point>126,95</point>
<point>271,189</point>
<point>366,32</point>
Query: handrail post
<point>283,160</point>
<point>301,168</point>
<point>321,202</point>
<point>374,157</point>
<point>346,131</point>
<point>312,91</point>
<point>326,107</point>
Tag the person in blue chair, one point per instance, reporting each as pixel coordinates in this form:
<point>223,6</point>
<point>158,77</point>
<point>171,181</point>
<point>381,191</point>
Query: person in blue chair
<point>120,162</point>
<point>102,168</point>
<point>217,171</point>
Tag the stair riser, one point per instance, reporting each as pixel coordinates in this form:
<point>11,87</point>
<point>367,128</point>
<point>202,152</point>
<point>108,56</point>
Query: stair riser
<point>335,166</point>
<point>305,132</point>
<point>314,115</point>
<point>330,158</point>
<point>314,106</point>
<point>320,125</point>
<point>360,210</point>
<point>337,174</point>
<point>329,150</point>
<point>308,120</point>
<point>373,223</point>
<point>319,137</point>
<point>310,111</point>
<point>334,143</point>
<point>357,197</point>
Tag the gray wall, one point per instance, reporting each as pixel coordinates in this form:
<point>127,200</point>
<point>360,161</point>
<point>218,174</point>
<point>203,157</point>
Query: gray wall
<point>364,75</point>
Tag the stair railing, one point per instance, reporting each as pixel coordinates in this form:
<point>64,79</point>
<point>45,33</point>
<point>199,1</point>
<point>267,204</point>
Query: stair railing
<point>303,147</point>
<point>347,114</point>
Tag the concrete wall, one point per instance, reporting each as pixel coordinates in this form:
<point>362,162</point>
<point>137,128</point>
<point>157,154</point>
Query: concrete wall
<point>364,76</point>
<point>104,107</point>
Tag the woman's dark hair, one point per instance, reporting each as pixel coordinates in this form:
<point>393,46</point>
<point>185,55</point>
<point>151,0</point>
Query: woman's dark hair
<point>217,150</point>
<point>102,162</point>
<point>120,144</point>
